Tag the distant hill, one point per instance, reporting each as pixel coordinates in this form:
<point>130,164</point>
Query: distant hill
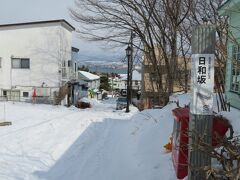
<point>107,66</point>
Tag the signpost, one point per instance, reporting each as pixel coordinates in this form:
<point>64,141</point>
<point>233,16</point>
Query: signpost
<point>200,126</point>
<point>202,84</point>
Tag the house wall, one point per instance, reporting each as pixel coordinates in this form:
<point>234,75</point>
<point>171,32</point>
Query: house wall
<point>94,84</point>
<point>47,46</point>
<point>232,97</point>
<point>150,92</point>
<point>117,83</point>
<point>75,64</point>
<point>120,84</point>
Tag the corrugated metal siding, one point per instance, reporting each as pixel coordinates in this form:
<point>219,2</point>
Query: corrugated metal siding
<point>200,126</point>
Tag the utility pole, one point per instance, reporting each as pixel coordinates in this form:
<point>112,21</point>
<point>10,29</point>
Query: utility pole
<point>128,53</point>
<point>112,84</point>
<point>131,65</point>
<point>200,125</point>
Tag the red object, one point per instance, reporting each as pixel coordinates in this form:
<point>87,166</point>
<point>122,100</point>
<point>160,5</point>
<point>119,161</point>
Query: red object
<point>34,93</point>
<point>180,139</point>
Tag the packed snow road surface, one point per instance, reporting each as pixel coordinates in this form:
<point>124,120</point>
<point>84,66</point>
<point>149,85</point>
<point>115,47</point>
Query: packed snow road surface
<point>58,143</point>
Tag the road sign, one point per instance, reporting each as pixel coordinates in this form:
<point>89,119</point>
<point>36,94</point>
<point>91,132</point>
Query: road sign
<point>202,84</point>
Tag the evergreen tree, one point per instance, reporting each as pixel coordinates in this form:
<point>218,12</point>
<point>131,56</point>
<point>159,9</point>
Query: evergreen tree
<point>104,83</point>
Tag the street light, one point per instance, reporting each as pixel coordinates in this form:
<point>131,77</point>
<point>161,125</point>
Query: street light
<point>128,53</point>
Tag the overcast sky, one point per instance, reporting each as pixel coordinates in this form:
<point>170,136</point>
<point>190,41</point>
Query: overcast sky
<point>17,11</point>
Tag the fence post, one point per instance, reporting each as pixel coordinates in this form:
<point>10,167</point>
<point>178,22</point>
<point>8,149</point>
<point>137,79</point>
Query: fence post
<point>200,125</point>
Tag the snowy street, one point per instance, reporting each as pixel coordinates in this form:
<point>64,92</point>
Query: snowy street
<point>59,143</point>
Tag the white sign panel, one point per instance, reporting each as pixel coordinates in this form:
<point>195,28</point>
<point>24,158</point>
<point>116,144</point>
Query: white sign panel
<point>202,84</point>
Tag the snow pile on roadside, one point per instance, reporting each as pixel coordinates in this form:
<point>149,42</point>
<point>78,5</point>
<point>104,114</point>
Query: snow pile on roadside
<point>182,99</point>
<point>233,117</point>
<point>151,130</point>
<point>93,102</point>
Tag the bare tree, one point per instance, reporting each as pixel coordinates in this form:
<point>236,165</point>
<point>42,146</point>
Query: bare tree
<point>155,23</point>
<point>225,156</point>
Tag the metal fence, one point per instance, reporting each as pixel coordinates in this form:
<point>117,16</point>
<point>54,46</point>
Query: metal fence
<point>34,100</point>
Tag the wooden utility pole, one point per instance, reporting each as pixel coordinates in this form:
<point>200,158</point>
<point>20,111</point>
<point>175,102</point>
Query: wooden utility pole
<point>200,125</point>
<point>128,53</point>
<point>131,66</point>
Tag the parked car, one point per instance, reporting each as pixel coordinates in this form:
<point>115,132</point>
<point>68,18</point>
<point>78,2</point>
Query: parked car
<point>121,103</point>
<point>157,107</point>
<point>123,92</point>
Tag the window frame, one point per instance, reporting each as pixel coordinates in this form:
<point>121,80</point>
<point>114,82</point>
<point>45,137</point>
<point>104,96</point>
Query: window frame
<point>70,64</point>
<point>24,94</point>
<point>25,66</point>
<point>75,67</point>
<point>235,70</point>
<point>4,93</point>
<point>64,64</point>
<point>20,64</point>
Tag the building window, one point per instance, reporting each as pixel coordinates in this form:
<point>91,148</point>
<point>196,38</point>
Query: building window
<point>75,67</point>
<point>69,63</point>
<point>63,64</point>
<point>154,76</point>
<point>235,78</point>
<point>25,94</point>
<point>4,93</point>
<point>20,63</point>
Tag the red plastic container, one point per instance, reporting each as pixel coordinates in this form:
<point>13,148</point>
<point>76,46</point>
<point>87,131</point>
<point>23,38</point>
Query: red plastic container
<point>180,139</point>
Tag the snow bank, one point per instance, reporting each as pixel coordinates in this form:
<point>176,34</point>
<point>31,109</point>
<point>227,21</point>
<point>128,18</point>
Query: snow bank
<point>233,117</point>
<point>151,130</point>
<point>93,102</point>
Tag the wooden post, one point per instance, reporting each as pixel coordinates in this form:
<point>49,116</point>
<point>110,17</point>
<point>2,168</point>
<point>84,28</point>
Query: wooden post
<point>200,125</point>
<point>4,122</point>
<point>128,53</point>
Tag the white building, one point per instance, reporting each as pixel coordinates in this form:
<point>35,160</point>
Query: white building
<point>35,55</point>
<point>93,82</point>
<point>116,83</point>
<point>121,83</point>
<point>136,80</point>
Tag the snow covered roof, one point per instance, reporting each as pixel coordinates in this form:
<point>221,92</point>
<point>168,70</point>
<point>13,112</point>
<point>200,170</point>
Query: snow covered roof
<point>62,22</point>
<point>136,76</point>
<point>123,76</point>
<point>88,76</point>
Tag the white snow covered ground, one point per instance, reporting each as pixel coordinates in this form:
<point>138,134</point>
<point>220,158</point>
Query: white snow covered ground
<point>58,143</point>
